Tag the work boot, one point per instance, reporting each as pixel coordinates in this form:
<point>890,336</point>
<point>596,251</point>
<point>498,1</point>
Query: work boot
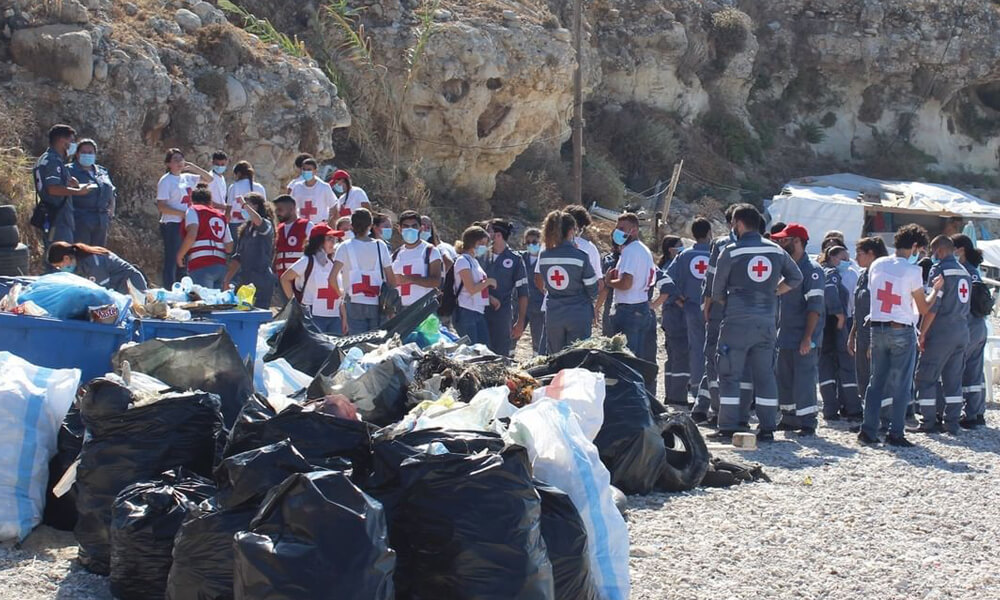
<point>699,417</point>
<point>807,432</point>
<point>721,436</point>
<point>831,418</point>
<point>864,440</point>
<point>783,426</point>
<point>972,422</point>
<point>764,435</point>
<point>713,421</point>
<point>951,428</point>
<point>854,418</point>
<point>925,427</point>
<point>899,442</point>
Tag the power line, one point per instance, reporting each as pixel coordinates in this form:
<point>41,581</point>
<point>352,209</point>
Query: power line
<point>559,136</point>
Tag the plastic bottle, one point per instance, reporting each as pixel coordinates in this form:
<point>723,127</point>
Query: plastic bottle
<point>350,364</point>
<point>245,296</point>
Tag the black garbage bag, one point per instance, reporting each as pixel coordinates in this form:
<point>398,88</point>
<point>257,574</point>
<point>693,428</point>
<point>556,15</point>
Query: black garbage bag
<point>316,536</point>
<point>687,454</point>
<point>144,520</point>
<point>209,363</point>
<point>203,549</point>
<point>323,440</point>
<point>468,527</point>
<point>723,473</point>
<point>300,342</point>
<point>124,445</point>
<point>565,538</point>
<point>379,395</point>
<point>61,512</point>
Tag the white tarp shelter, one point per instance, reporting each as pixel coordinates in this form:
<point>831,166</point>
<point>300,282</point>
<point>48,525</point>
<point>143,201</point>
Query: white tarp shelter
<point>820,209</point>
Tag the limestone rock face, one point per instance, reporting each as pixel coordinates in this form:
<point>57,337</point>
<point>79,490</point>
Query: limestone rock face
<point>57,52</point>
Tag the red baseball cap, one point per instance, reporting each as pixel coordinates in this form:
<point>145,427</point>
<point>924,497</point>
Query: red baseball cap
<point>792,230</point>
<point>324,230</point>
<point>340,174</point>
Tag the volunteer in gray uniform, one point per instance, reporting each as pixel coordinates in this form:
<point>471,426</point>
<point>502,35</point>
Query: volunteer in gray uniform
<point>506,267</point>
<point>676,371</point>
<point>254,256</point>
<point>536,316</point>
<point>688,272</point>
<point>860,339</point>
<point>565,274</point>
<point>973,380</point>
<point>55,186</point>
<point>800,335</point>
<point>97,264</point>
<point>92,213</point>
<point>944,336</point>
<point>749,276</point>
<point>706,406</point>
<point>838,381</point>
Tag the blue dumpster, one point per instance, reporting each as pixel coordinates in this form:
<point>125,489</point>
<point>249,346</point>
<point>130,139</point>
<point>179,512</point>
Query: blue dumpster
<point>59,344</point>
<point>242,326</point>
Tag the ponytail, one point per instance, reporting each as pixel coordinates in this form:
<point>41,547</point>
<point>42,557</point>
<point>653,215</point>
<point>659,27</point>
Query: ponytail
<point>556,228</point>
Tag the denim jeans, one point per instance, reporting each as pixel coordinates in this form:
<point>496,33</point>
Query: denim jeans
<point>210,277</point>
<point>171,234</point>
<point>636,322</point>
<point>91,228</point>
<point>473,325</point>
<point>330,325</point>
<point>362,318</point>
<point>894,354</point>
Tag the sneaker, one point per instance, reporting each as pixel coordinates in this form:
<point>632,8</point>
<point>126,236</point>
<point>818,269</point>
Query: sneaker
<point>864,440</point>
<point>807,432</point>
<point>899,442</point>
<point>720,436</point>
<point>699,417</point>
<point>972,422</point>
<point>924,428</point>
<point>764,435</point>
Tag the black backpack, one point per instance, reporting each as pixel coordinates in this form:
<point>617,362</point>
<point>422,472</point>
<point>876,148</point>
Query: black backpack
<point>449,295</point>
<point>982,301</point>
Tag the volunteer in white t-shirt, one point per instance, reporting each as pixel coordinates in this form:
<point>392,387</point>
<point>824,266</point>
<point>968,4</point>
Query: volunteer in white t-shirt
<point>472,287</point>
<point>366,264</point>
<point>308,280</point>
<point>298,169</point>
<point>218,186</point>
<point>313,196</point>
<point>631,279</point>
<point>583,221</point>
<point>244,185</point>
<point>349,197</point>
<point>428,233</point>
<point>173,197</point>
<point>416,264</point>
<point>897,302</point>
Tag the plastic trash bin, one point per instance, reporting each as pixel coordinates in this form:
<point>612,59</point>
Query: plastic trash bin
<point>149,329</point>
<point>242,326</point>
<point>58,344</point>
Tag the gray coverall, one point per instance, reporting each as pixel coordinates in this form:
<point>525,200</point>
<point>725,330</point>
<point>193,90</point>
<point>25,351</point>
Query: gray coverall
<point>111,272</point>
<point>746,281</point>
<point>675,368</point>
<point>571,285</point>
<point>944,347</point>
<point>535,316</point>
<point>688,272</point>
<point>973,379</point>
<point>51,170</point>
<point>837,378</point>
<point>797,374</point>
<point>255,252</point>
<point>507,269</point>
<point>708,390</point>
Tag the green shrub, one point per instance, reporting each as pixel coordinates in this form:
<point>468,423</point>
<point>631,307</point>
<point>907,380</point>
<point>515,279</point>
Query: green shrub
<point>730,137</point>
<point>812,132</point>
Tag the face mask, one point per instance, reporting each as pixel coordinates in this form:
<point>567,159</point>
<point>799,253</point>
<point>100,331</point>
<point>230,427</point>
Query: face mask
<point>308,175</point>
<point>71,268</point>
<point>619,237</point>
<point>935,260</point>
<point>86,160</point>
<point>732,235</point>
<point>410,235</point>
<point>338,187</point>
<point>71,150</point>
<point>571,239</point>
<point>534,248</point>
<point>425,235</point>
<point>480,251</point>
<point>844,266</point>
<point>387,233</point>
<point>219,169</point>
<point>245,212</point>
<point>913,259</point>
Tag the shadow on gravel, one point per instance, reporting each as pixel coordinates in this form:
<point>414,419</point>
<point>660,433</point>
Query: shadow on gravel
<point>922,456</point>
<point>982,440</point>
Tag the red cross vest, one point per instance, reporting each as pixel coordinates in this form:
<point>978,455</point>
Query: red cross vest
<point>289,244</point>
<point>209,247</point>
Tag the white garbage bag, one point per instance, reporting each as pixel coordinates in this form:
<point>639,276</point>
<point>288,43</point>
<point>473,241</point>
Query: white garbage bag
<point>584,391</point>
<point>33,403</point>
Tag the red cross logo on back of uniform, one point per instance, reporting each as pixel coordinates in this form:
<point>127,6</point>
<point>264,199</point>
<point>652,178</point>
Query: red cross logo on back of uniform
<point>329,294</point>
<point>963,291</point>
<point>759,269</point>
<point>699,266</point>
<point>365,288</point>
<point>887,298</point>
<point>217,226</point>
<point>309,210</point>
<point>558,278</point>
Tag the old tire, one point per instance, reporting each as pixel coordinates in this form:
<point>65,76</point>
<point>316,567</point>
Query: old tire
<point>687,454</point>
<point>14,261</point>
<point>10,237</point>
<point>8,215</point>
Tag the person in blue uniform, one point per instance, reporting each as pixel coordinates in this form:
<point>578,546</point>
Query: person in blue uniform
<point>837,375</point>
<point>56,187</point>
<point>253,257</point>
<point>97,264</point>
<point>505,267</point>
<point>564,272</point>
<point>688,272</point>
<point>532,241</point>
<point>675,367</point>
<point>973,378</point>
<point>92,213</point>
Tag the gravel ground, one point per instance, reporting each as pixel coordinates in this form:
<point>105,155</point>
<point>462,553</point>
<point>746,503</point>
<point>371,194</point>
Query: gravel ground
<point>838,521</point>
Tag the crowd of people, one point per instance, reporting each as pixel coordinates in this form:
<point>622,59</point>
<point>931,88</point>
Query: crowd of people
<point>751,321</point>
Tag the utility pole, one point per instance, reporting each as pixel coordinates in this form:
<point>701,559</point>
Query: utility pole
<point>578,104</point>
<point>668,196</point>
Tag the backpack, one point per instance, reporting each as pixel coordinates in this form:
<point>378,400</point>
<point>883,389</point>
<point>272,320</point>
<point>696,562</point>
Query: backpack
<point>449,295</point>
<point>982,301</point>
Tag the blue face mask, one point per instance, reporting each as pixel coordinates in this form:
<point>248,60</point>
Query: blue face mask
<point>534,248</point>
<point>935,260</point>
<point>844,266</point>
<point>86,160</point>
<point>732,235</point>
<point>913,259</point>
<point>425,235</point>
<point>571,239</point>
<point>219,169</point>
<point>410,235</point>
<point>68,268</point>
<point>619,237</point>
<point>339,188</point>
<point>387,233</point>
<point>308,175</point>
<point>480,251</point>
<point>71,150</point>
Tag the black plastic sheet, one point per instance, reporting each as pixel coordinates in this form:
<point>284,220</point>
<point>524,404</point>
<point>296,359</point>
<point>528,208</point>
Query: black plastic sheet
<point>61,512</point>
<point>299,342</point>
<point>686,452</point>
<point>379,395</point>
<point>565,538</point>
<point>125,445</point>
<point>316,536</point>
<point>145,518</point>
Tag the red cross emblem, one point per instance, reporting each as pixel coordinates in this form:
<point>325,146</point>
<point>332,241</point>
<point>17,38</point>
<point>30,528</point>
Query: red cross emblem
<point>404,289</point>
<point>963,291</point>
<point>887,298</point>
<point>558,278</point>
<point>329,294</point>
<point>699,266</point>
<point>186,200</point>
<point>344,211</point>
<point>217,226</point>
<point>759,268</point>
<point>309,210</point>
<point>365,288</point>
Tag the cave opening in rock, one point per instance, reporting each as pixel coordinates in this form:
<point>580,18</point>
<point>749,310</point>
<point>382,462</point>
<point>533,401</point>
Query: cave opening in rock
<point>989,95</point>
<point>455,89</point>
<point>491,119</point>
<point>493,83</point>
